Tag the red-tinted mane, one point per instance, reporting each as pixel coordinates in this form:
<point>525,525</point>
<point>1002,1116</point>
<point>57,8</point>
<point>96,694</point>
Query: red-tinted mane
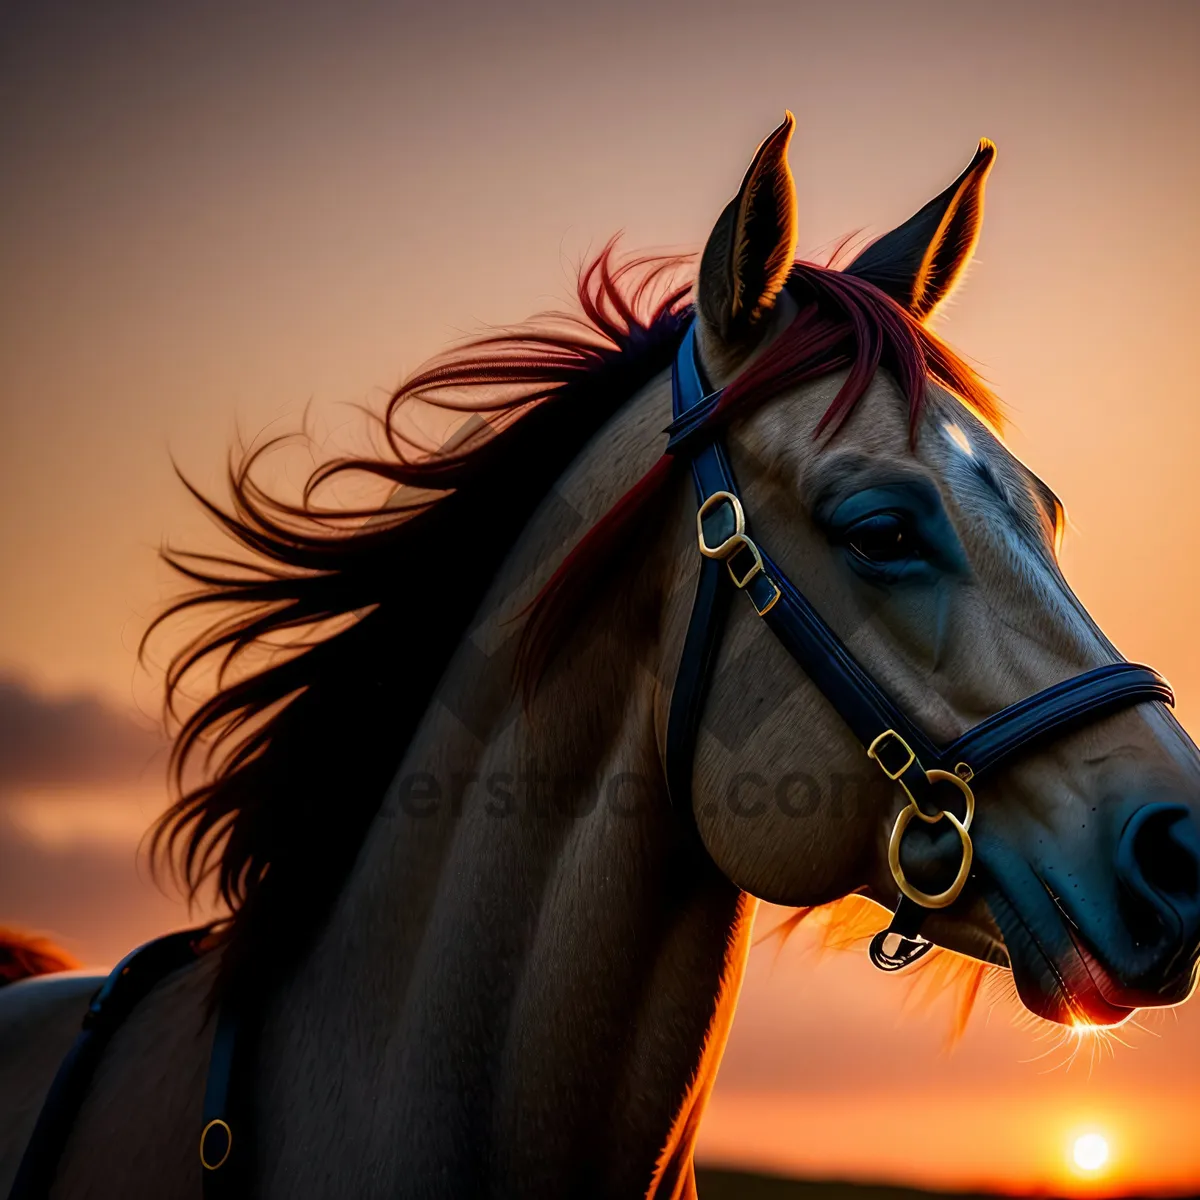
<point>294,756</point>
<point>844,322</point>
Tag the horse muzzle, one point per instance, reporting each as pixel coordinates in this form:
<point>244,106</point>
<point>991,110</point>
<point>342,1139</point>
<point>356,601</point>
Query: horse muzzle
<point>1087,954</point>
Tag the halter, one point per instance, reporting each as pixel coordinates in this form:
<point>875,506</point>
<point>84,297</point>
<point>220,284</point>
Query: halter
<point>899,747</point>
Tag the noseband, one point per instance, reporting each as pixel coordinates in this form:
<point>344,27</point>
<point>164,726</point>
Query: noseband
<point>733,561</point>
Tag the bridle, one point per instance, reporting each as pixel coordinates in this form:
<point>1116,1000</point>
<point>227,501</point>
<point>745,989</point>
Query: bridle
<point>733,561</point>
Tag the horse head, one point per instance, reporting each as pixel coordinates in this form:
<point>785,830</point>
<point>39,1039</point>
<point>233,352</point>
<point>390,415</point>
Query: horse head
<point>932,552</point>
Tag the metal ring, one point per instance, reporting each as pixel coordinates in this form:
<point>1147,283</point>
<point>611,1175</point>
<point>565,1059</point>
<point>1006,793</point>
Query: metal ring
<point>936,776</point>
<point>873,752</point>
<point>213,1124</point>
<point>925,899</point>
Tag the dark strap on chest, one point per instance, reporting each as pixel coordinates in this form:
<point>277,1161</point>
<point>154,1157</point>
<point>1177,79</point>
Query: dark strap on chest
<point>127,985</point>
<point>130,981</point>
<point>225,1142</point>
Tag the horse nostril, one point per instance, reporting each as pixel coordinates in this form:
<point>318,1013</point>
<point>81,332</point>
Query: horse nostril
<point>1158,865</point>
<point>1167,851</point>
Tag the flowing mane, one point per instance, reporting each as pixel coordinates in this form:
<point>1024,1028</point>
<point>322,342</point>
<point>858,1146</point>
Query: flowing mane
<point>294,753</point>
<point>366,642</point>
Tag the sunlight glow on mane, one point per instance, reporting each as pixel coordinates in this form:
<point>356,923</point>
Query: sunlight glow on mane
<point>318,631</point>
<point>851,922</point>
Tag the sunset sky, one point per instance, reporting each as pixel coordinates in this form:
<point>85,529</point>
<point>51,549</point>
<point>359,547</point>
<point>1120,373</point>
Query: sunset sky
<point>215,215</point>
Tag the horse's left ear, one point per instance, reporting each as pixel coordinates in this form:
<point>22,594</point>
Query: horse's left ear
<point>750,250</point>
<point>920,262</point>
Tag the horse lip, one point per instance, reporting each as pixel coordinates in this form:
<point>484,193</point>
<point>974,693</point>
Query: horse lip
<point>1102,981</point>
<point>1115,994</point>
<point>1082,1007</point>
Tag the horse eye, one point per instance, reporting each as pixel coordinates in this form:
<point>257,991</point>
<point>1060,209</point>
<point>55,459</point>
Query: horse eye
<point>883,538</point>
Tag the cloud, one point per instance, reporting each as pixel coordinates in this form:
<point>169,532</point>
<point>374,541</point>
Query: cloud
<point>96,898</point>
<point>69,740</point>
<point>80,782</point>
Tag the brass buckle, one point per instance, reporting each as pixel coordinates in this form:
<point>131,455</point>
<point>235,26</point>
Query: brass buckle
<point>734,543</point>
<point>725,549</point>
<point>740,541</point>
<point>873,752</point>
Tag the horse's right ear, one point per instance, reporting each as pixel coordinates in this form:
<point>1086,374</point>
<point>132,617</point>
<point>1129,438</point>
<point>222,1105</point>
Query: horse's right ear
<point>750,250</point>
<point>920,262</point>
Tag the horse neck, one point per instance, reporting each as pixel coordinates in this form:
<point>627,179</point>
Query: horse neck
<point>533,968</point>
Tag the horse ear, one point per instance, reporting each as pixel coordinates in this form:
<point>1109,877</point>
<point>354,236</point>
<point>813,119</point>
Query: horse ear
<point>750,250</point>
<point>920,262</point>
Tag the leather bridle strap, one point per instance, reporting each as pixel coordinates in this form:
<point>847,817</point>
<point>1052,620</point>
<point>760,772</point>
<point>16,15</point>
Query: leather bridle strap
<point>732,560</point>
<point>129,983</point>
<point>1055,710</point>
<point>223,1175</point>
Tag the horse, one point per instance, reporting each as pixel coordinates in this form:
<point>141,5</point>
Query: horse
<point>488,948</point>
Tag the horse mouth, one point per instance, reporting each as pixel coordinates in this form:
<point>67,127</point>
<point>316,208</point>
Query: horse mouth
<point>1057,976</point>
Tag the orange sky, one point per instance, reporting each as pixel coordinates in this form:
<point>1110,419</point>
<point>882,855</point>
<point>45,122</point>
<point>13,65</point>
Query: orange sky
<point>213,217</point>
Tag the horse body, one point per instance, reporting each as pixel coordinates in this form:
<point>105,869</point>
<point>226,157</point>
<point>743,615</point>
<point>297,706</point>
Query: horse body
<point>525,982</point>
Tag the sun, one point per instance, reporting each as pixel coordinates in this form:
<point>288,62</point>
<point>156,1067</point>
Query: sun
<point>1090,1152</point>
